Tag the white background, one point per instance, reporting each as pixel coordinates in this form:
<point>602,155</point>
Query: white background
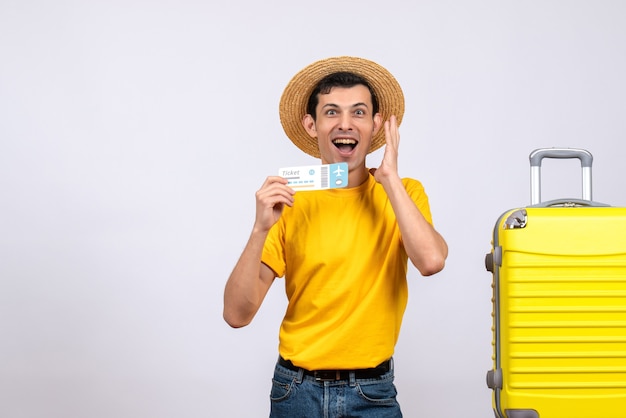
<point>135,133</point>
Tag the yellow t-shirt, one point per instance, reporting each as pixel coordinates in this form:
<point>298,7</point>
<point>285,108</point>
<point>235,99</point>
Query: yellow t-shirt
<point>341,254</point>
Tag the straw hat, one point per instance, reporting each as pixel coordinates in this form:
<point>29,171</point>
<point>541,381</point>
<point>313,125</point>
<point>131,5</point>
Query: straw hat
<point>296,95</point>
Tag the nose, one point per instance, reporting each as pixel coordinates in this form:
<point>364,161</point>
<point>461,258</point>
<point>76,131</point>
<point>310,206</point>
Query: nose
<point>345,123</point>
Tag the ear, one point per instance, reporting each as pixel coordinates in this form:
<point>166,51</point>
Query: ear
<point>309,125</point>
<point>378,123</point>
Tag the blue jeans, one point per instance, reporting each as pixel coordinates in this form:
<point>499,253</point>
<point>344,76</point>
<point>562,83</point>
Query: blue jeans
<point>295,395</point>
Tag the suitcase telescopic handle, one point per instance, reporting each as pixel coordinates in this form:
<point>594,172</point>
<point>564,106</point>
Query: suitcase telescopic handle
<point>537,156</point>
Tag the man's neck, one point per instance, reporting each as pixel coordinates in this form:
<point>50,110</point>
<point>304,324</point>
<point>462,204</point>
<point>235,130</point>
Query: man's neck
<point>358,176</point>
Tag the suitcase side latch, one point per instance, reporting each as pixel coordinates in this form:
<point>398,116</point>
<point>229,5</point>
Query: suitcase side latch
<point>494,379</point>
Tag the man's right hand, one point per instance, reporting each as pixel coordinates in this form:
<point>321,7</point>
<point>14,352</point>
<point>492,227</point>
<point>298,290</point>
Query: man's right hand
<point>271,199</point>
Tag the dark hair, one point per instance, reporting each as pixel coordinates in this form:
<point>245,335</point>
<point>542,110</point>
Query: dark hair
<point>339,79</point>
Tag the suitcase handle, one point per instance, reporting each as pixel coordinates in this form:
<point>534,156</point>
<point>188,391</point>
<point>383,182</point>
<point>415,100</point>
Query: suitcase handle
<point>537,156</point>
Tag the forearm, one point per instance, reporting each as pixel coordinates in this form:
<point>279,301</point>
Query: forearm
<point>425,247</point>
<point>246,288</point>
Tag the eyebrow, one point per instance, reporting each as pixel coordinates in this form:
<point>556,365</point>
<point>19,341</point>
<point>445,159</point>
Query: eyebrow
<point>334,105</point>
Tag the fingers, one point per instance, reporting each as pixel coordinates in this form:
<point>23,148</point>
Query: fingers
<point>389,164</point>
<point>271,199</point>
<point>392,134</point>
<point>274,191</point>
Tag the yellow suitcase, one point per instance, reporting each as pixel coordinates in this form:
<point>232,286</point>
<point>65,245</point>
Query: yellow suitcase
<point>559,304</point>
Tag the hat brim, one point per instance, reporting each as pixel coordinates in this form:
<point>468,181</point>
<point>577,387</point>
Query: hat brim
<point>293,101</point>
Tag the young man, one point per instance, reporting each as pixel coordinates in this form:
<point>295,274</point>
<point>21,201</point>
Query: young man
<point>343,252</point>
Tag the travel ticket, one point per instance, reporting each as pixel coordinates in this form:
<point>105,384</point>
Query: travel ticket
<point>316,177</point>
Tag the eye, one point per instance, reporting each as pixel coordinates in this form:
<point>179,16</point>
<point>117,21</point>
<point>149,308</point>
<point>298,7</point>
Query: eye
<point>359,112</point>
<point>331,112</point>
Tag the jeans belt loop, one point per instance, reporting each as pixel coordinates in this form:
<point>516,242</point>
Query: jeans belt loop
<point>352,379</point>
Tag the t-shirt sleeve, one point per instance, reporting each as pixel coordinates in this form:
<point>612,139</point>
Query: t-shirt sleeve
<point>417,193</point>
<point>273,251</point>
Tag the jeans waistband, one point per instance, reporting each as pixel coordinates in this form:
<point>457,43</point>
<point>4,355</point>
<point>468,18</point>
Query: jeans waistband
<point>340,374</point>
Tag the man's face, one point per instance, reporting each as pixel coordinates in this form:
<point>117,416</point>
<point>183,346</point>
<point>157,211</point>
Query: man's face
<point>345,125</point>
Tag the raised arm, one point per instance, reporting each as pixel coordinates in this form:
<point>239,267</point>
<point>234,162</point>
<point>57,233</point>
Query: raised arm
<point>251,279</point>
<point>425,247</point>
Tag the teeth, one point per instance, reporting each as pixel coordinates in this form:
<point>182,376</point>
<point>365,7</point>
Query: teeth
<point>345,141</point>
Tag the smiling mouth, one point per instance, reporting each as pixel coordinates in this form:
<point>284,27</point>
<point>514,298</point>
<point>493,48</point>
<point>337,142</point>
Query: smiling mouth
<point>345,144</point>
